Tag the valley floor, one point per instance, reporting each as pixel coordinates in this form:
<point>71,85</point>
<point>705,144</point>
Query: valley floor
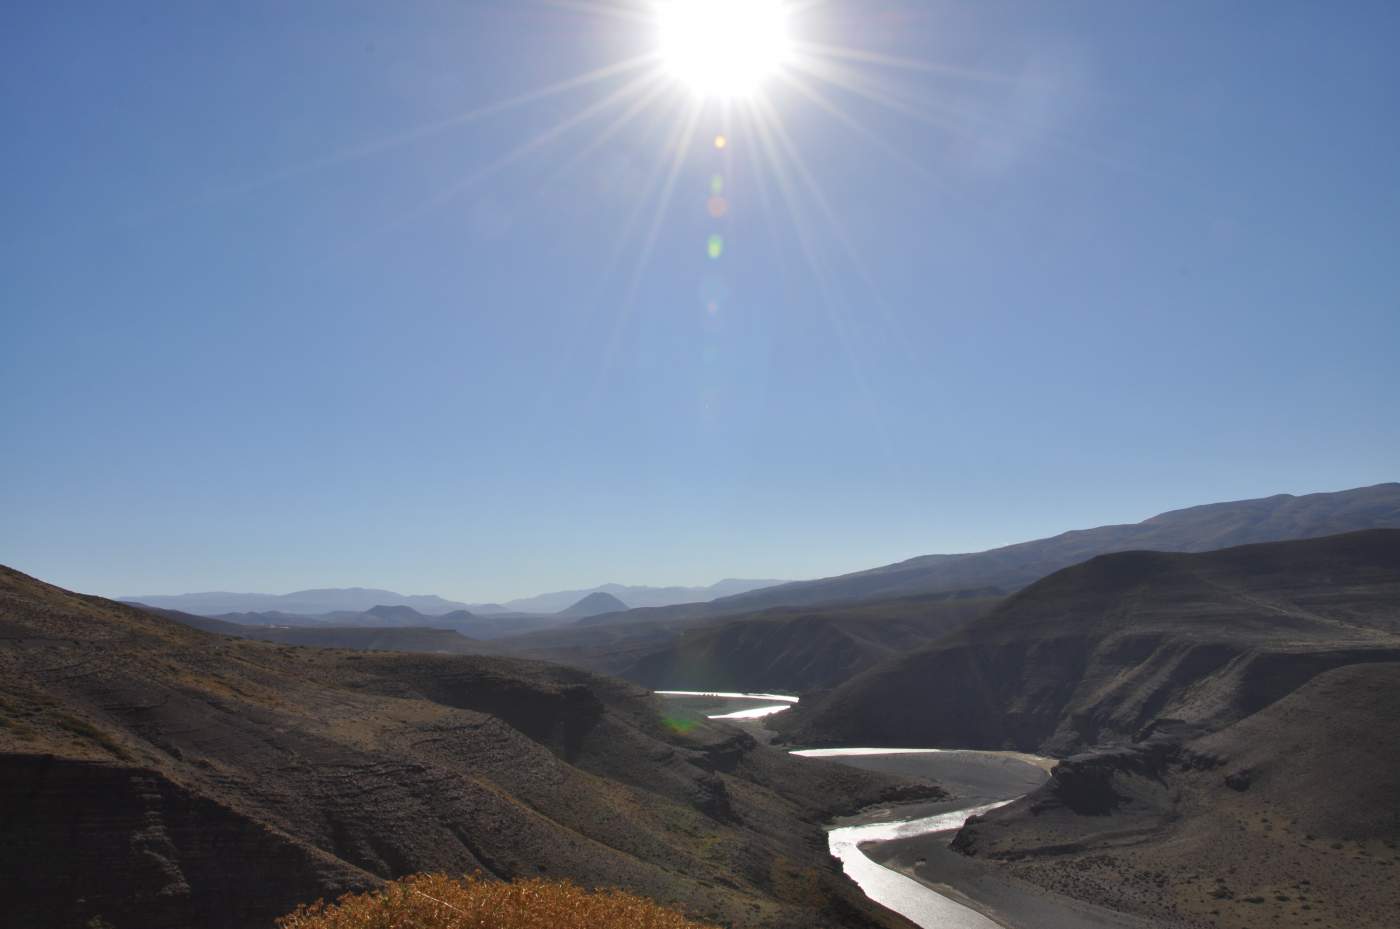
<point>975,778</point>
<point>989,889</point>
<point>1250,869</point>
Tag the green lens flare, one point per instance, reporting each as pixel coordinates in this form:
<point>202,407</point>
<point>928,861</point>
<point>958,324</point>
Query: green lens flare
<point>716,246</point>
<point>716,185</point>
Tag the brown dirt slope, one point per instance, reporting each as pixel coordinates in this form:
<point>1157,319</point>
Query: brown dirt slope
<point>1126,644</point>
<point>154,776</point>
<point>1288,818</point>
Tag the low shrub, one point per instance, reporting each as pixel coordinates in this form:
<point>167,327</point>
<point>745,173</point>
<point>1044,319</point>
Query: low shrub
<point>435,901</point>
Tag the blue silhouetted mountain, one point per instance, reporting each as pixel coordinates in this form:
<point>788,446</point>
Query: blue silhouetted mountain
<point>302,602</point>
<point>1195,529</point>
<point>595,604</point>
<point>632,596</point>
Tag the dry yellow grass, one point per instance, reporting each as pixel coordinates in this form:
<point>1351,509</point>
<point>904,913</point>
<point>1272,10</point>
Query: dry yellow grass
<point>435,901</point>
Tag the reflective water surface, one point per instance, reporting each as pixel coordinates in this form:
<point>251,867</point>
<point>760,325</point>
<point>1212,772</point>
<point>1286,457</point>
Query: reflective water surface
<point>921,905</point>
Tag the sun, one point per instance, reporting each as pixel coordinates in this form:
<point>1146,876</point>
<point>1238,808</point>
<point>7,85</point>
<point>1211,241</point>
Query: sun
<point>724,48</point>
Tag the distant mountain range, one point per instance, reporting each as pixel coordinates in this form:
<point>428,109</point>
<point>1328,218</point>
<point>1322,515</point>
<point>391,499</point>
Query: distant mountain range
<point>364,599</point>
<point>302,602</point>
<point>1196,529</point>
<point>595,604</point>
<point>631,597</point>
<point>816,634</point>
<point>1099,652</point>
<point>384,627</point>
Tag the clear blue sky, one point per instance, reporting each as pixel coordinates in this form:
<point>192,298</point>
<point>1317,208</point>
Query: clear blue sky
<point>259,333</point>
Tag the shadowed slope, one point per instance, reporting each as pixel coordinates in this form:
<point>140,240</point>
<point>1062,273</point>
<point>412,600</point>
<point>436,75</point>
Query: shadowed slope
<point>358,638</point>
<point>1288,818</point>
<point>1102,650</point>
<point>803,649</point>
<point>157,776</point>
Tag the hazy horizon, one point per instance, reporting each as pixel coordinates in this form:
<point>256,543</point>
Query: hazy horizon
<point>583,588</point>
<point>428,593</point>
<point>481,300</point>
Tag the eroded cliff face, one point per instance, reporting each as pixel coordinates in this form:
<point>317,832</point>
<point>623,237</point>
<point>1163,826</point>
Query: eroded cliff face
<point>1288,817</point>
<point>153,775</point>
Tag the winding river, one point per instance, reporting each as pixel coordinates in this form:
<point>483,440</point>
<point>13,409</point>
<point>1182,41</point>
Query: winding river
<point>917,902</point>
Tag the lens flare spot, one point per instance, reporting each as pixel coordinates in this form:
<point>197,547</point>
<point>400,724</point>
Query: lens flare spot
<point>718,207</point>
<point>715,247</point>
<point>679,724</point>
<point>721,142</point>
<point>716,185</point>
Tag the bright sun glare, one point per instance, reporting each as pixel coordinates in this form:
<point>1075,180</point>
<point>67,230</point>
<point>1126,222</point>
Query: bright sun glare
<point>724,48</point>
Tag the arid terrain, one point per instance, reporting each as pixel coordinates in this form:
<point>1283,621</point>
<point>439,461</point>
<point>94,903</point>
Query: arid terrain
<point>1289,818</point>
<point>1127,644</point>
<point>1225,722</point>
<point>1221,722</point>
<point>159,776</point>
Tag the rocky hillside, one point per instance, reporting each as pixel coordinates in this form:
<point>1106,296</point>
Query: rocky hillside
<point>153,775</point>
<point>1288,818</point>
<point>1125,643</point>
<point>802,650</point>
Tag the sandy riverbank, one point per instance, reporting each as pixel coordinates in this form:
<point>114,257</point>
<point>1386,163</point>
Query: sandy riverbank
<point>973,778</point>
<point>989,890</point>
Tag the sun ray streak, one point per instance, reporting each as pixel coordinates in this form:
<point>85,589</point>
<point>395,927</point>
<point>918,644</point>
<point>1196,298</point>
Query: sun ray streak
<point>821,50</point>
<point>813,188</point>
<point>955,121</point>
<point>606,11</point>
<point>821,100</point>
<point>844,79</point>
<point>619,123</point>
<point>837,229</point>
<point>770,124</point>
<point>407,137</point>
<point>687,136</point>
<point>654,177</point>
<point>606,135</point>
<point>682,140</point>
<point>444,197</point>
<point>760,177</point>
<point>791,199</point>
<point>526,148</point>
